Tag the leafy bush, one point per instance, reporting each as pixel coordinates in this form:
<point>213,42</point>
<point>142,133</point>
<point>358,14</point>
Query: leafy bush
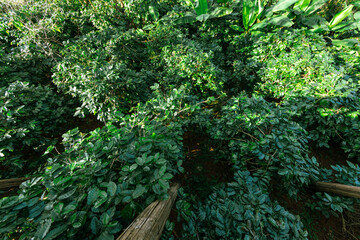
<point>154,69</point>
<point>110,70</point>
<point>189,63</point>
<point>333,118</point>
<point>243,210</point>
<point>102,179</point>
<point>30,117</point>
<point>259,135</point>
<point>97,184</point>
<point>297,63</point>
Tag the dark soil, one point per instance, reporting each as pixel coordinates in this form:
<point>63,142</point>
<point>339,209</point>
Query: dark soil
<point>329,156</point>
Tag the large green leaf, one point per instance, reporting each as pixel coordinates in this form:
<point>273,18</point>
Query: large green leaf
<point>281,21</point>
<point>301,5</point>
<point>202,7</point>
<point>221,11</point>
<point>345,42</point>
<point>249,13</point>
<point>341,16</point>
<point>314,6</point>
<point>357,19</point>
<point>356,4</point>
<point>283,5</point>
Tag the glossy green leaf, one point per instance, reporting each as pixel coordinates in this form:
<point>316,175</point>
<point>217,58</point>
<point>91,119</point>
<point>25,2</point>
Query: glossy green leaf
<point>95,225</point>
<point>221,12</point>
<point>315,6</point>
<point>345,42</point>
<point>301,5</point>
<point>112,189</point>
<point>282,5</point>
<point>67,194</point>
<point>202,7</point>
<point>341,16</point>
<point>53,234</point>
<point>281,21</point>
<point>139,191</point>
<point>58,207</point>
<point>69,208</point>
<point>44,229</point>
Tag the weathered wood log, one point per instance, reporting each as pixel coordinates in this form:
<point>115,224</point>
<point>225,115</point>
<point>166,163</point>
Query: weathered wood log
<point>150,223</point>
<point>337,188</point>
<point>12,182</point>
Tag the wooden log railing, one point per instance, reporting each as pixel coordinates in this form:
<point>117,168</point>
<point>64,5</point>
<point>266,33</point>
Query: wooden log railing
<point>150,223</point>
<point>6,184</point>
<point>337,188</point>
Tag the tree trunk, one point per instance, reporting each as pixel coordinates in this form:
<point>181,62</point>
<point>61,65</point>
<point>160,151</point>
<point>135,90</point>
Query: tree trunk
<point>337,188</point>
<point>12,182</point>
<point>150,223</point>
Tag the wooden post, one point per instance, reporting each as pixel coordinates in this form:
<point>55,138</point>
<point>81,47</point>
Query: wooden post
<point>12,182</point>
<point>337,188</point>
<point>150,223</point>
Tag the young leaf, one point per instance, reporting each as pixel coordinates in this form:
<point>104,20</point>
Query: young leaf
<point>341,16</point>
<point>153,12</point>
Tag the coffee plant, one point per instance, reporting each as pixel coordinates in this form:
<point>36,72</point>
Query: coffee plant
<point>266,138</point>
<point>243,210</point>
<point>30,117</point>
<point>180,88</point>
<point>297,63</point>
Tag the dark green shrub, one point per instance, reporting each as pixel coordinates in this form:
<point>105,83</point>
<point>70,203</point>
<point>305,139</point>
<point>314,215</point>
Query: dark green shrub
<point>258,135</point>
<point>95,187</point>
<point>332,118</point>
<point>297,63</point>
<point>110,70</point>
<point>102,179</point>
<point>30,117</point>
<point>189,63</point>
<point>242,210</point>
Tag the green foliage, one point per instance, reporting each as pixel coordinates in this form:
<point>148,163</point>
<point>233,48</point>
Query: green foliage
<point>202,11</point>
<point>242,210</point>
<point>260,135</point>
<point>333,118</point>
<point>297,63</point>
<point>30,116</point>
<point>95,187</point>
<point>152,70</point>
<point>190,63</point>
